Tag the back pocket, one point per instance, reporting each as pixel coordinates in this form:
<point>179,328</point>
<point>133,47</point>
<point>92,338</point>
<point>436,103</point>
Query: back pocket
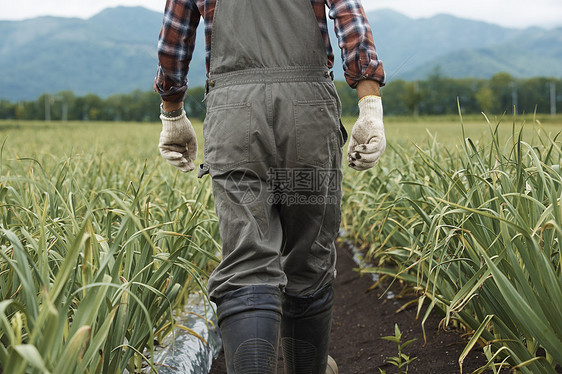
<point>316,125</point>
<point>227,136</point>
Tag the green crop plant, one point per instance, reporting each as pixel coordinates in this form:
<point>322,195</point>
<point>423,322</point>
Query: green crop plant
<point>101,241</point>
<point>99,249</point>
<point>476,229</point>
<point>402,361</point>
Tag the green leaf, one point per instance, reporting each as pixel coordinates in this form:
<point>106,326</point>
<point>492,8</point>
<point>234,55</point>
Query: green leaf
<point>73,350</point>
<point>405,344</point>
<point>391,339</point>
<point>31,355</point>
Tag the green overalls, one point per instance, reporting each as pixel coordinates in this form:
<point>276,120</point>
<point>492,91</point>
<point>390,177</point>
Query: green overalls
<point>273,147</point>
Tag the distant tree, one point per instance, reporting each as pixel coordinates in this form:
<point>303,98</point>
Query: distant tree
<point>42,102</point>
<point>66,100</point>
<point>393,100</point>
<point>535,95</point>
<point>502,86</point>
<point>433,96</point>
<point>465,89</point>
<point>441,95</point>
<point>89,107</point>
<point>28,110</point>
<point>485,98</point>
<point>139,106</point>
<point>194,103</point>
<point>7,110</point>
<point>412,97</point>
<point>150,102</point>
<point>432,93</point>
<point>348,98</point>
<point>20,111</point>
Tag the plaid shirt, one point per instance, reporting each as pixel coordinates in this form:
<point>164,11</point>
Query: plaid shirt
<point>181,18</point>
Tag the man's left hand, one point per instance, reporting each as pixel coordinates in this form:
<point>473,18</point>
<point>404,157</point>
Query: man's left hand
<point>368,141</point>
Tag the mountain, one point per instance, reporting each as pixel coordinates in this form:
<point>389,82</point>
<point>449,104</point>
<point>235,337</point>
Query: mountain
<point>414,48</point>
<point>115,51</point>
<point>532,54</point>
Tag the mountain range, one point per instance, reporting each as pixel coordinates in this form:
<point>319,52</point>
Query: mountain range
<point>115,51</point>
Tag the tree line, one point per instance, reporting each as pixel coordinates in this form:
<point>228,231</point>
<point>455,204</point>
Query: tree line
<point>435,95</point>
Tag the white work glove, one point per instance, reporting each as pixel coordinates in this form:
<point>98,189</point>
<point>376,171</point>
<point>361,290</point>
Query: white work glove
<point>367,141</point>
<point>178,142</point>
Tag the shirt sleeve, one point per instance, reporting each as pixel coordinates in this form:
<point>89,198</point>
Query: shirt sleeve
<point>356,42</point>
<point>175,48</point>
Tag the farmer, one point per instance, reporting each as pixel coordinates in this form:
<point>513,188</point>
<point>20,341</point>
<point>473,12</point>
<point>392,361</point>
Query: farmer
<point>273,147</point>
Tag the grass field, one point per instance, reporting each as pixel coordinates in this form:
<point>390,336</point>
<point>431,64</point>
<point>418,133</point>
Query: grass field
<point>474,228</point>
<point>447,129</point>
<point>46,139</point>
<point>101,240</point>
<point>100,243</point>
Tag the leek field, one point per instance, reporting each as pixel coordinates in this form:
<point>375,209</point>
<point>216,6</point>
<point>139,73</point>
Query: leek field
<point>101,241</point>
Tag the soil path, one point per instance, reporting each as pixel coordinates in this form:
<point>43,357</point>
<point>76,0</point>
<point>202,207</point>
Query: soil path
<point>361,318</point>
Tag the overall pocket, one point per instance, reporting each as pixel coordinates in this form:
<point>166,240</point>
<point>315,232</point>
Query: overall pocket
<point>226,131</point>
<point>317,129</point>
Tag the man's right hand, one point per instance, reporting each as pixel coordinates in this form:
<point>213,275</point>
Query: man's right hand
<point>178,142</point>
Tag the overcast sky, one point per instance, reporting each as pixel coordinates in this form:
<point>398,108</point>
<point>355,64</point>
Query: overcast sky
<point>511,13</point>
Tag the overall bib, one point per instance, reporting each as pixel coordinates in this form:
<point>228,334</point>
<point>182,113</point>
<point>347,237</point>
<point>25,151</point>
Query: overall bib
<point>273,147</point>
<point>273,144</point>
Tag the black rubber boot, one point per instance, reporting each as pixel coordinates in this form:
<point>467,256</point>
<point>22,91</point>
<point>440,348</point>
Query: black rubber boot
<point>305,332</point>
<point>249,320</point>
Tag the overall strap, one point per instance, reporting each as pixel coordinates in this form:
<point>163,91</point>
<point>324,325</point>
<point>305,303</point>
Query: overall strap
<point>265,34</point>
